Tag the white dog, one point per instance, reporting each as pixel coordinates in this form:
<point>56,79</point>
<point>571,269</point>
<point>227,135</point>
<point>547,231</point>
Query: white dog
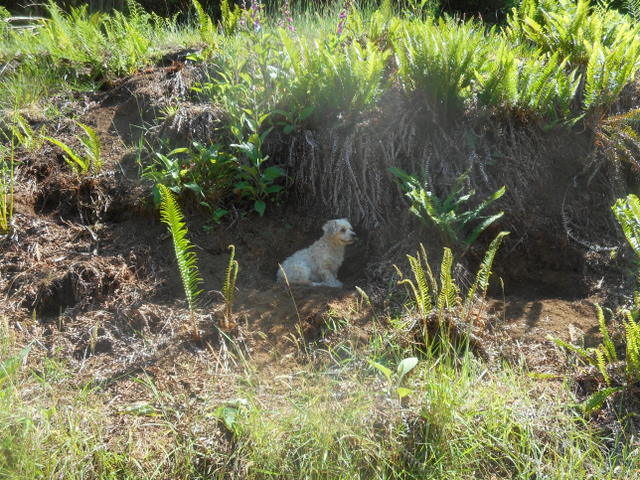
<point>318,264</point>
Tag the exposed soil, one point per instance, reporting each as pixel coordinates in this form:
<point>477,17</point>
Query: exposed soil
<point>88,271</point>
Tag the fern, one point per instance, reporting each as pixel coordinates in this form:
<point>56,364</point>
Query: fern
<point>481,283</point>
<point>601,363</point>
<point>595,401</point>
<point>627,212</point>
<point>633,8</point>
<point>228,18</point>
<point>205,24</point>
<point>632,331</point>
<point>423,283</point>
<point>91,161</point>
<point>229,285</point>
<point>186,258</point>
<point>608,347</point>
<point>447,214</point>
<point>586,355</point>
<point>448,294</point>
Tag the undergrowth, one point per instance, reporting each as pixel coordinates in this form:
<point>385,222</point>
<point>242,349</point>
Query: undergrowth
<point>448,414</point>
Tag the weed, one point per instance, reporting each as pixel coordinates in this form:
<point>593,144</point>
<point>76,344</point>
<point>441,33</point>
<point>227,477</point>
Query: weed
<point>395,381</point>
<point>440,299</point>
<point>91,161</point>
<point>447,214</point>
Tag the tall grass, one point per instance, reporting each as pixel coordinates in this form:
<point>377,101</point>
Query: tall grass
<point>453,426</point>
<point>71,49</point>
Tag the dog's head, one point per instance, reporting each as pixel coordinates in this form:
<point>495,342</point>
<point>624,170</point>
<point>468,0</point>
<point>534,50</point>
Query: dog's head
<point>340,231</point>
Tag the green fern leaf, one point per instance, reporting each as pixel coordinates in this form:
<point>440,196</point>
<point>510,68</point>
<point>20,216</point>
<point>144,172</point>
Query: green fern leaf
<point>601,363</point>
<point>448,294</point>
<point>607,343</point>
<point>481,283</point>
<point>229,285</point>
<point>186,258</point>
<point>596,400</point>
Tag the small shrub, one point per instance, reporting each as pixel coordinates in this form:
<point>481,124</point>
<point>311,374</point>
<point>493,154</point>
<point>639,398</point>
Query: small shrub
<point>440,302</point>
<point>447,214</point>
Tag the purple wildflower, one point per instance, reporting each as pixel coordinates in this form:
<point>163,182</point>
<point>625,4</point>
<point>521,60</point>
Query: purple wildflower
<point>286,13</point>
<point>342,18</point>
<point>242,22</point>
<point>254,12</point>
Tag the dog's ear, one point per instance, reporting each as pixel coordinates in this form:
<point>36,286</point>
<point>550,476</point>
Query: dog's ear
<point>329,227</point>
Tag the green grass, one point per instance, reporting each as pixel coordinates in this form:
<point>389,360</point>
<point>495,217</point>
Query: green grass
<point>332,420</point>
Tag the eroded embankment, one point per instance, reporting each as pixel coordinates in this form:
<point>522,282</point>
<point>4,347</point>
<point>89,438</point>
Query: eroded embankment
<point>90,258</point>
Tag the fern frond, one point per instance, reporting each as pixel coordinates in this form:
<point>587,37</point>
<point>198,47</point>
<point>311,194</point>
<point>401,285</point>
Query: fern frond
<point>601,364</point>
<point>77,163</point>
<point>632,330</point>
<point>206,28</point>
<point>481,283</point>
<point>627,212</point>
<point>93,148</point>
<point>186,258</point>
<point>229,285</point>
<point>607,344</point>
<point>584,354</point>
<point>448,294</point>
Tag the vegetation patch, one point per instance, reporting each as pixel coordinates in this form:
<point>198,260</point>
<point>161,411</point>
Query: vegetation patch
<point>154,170</point>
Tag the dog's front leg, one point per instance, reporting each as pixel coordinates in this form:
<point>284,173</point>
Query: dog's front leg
<point>329,279</point>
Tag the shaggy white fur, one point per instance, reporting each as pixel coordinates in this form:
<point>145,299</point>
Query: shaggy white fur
<point>318,264</point>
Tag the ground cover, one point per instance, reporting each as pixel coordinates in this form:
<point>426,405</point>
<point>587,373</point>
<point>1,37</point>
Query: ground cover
<point>263,128</point>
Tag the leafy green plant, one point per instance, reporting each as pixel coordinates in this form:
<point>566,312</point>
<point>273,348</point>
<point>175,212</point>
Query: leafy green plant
<point>83,164</point>
<point>186,258</point>
<point>440,298</point>
<point>229,286</point>
<point>616,374</point>
<point>21,134</point>
<point>447,214</point>
<point>394,381</point>
<point>205,24</point>
<point>439,60</point>
<point>336,80</point>
<point>256,183</point>
<point>627,212</point>
<point>207,171</point>
<point>229,17</point>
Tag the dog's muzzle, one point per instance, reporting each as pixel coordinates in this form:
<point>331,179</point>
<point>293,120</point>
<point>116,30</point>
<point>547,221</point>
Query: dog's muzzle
<point>351,240</point>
